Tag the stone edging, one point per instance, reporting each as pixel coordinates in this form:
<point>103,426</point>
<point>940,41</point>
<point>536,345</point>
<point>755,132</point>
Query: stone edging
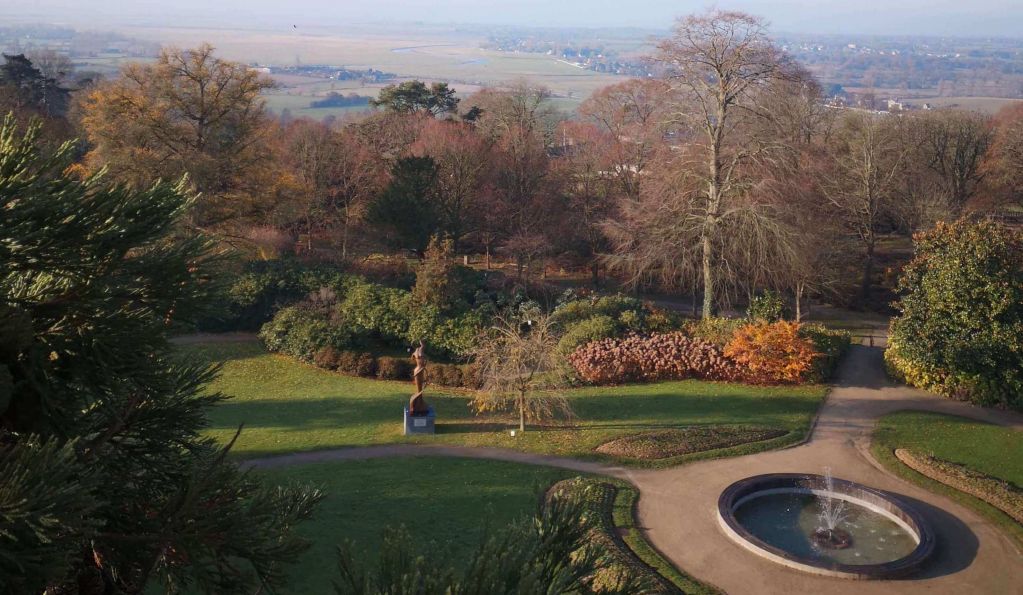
<point>997,494</point>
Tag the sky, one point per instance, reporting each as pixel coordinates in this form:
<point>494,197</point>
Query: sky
<point>975,18</point>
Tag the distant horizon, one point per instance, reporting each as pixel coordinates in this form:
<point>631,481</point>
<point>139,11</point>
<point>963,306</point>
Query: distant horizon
<point>984,19</point>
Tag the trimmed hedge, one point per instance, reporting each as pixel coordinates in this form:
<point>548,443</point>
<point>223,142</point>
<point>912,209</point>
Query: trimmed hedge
<point>999,493</point>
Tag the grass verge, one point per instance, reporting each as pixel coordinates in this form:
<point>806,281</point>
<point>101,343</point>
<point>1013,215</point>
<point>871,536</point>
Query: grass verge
<point>445,504</point>
<point>975,445</point>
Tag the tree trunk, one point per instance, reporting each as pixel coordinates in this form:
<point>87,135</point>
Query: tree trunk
<point>868,275</point>
<point>522,413</point>
<point>595,273</point>
<point>708,280</point>
<point>799,301</point>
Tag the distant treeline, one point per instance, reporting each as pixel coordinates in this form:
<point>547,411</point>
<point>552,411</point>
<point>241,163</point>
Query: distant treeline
<point>338,100</point>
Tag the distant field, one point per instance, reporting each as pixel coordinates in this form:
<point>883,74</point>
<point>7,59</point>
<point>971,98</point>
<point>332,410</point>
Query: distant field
<point>447,55</point>
<point>987,105</point>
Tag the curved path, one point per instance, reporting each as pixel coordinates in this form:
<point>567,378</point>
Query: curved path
<point>678,506</point>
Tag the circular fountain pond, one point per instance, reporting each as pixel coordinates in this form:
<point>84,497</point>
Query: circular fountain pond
<point>826,526</point>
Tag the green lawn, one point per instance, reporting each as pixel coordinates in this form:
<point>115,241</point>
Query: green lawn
<point>989,449</point>
<point>287,406</point>
<point>441,502</point>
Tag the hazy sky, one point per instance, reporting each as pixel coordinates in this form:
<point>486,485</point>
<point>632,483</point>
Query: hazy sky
<point>914,17</point>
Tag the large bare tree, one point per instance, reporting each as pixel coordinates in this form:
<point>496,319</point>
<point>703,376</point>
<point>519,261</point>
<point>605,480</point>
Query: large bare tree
<point>862,180</point>
<point>721,68</point>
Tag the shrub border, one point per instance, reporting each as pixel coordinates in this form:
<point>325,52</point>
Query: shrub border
<point>883,454</point>
<point>959,477</point>
<point>618,512</point>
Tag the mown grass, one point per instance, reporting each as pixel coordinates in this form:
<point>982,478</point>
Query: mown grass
<point>445,504</point>
<point>287,406</point>
<point>986,448</point>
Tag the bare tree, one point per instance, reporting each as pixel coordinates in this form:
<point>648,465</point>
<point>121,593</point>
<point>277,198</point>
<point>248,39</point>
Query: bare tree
<point>719,64</point>
<point>520,369</point>
<point>866,160</point>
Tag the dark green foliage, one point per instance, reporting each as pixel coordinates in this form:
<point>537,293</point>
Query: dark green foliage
<point>960,327</point>
<point>718,331</point>
<point>766,307</point>
<point>29,88</point>
<point>607,317</point>
<point>107,482</point>
<point>832,346</point>
<point>362,316</point>
<point>261,288</point>
<point>552,554</point>
<point>406,212</point>
<point>415,96</point>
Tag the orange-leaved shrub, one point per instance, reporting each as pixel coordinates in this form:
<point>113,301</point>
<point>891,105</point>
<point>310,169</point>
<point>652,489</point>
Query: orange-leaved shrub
<point>772,352</point>
<point>660,356</point>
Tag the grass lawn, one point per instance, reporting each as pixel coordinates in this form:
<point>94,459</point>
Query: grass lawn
<point>287,406</point>
<point>441,502</point>
<point>989,449</point>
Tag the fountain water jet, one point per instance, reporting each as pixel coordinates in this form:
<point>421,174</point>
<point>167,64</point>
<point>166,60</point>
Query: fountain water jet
<point>825,525</point>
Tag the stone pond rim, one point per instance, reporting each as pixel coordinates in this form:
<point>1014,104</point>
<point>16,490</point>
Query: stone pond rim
<point>739,492</point>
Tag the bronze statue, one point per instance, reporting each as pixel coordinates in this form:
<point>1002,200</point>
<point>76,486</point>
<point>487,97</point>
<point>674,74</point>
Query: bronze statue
<point>417,404</point>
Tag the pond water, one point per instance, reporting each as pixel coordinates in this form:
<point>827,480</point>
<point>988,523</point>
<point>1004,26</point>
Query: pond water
<point>788,520</point>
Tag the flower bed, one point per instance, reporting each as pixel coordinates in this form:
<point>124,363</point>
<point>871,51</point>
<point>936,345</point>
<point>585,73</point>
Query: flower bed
<point>663,444</point>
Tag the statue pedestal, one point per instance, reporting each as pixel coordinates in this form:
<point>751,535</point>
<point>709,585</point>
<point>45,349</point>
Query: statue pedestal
<point>420,424</point>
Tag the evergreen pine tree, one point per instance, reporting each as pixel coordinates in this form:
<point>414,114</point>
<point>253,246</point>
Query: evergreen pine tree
<point>106,481</point>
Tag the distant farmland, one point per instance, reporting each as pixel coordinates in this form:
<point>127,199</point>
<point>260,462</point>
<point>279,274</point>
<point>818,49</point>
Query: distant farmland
<point>430,55</point>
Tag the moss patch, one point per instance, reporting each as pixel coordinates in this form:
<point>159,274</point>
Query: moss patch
<point>674,442</point>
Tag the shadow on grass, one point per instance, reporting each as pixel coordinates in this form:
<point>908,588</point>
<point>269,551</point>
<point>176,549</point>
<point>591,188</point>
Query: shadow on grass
<point>594,412</point>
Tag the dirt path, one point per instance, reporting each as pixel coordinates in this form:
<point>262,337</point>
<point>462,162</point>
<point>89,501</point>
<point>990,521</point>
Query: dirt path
<point>678,506</point>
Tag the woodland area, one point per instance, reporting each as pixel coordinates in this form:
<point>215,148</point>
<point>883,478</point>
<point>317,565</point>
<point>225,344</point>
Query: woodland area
<point>719,191</point>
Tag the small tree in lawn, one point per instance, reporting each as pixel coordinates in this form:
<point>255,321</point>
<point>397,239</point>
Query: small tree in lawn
<point>519,366</point>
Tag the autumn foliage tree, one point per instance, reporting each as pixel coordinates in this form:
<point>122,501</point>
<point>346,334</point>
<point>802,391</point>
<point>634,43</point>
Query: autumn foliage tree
<point>188,113</point>
<point>772,352</point>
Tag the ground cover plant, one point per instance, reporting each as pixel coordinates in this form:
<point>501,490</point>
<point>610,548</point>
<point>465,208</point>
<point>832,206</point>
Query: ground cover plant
<point>979,447</point>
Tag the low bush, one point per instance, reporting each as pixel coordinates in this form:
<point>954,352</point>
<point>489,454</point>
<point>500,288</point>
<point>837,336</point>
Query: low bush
<point>589,319</point>
<point>718,331</point>
<point>661,356</point>
<point>766,307</point>
<point>355,363</point>
<point>302,331</point>
<point>327,358</point>
<point>831,344</point>
<point>772,352</point>
<point>260,288</point>
<point>394,368</point>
